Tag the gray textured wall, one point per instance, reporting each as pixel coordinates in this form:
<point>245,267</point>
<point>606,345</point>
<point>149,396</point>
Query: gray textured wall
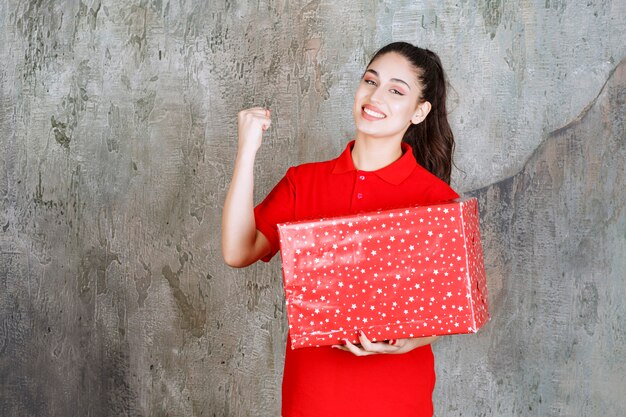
<point>117,130</point>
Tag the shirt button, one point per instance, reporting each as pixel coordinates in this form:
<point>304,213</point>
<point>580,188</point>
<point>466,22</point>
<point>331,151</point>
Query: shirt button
<point>359,196</point>
<point>362,177</point>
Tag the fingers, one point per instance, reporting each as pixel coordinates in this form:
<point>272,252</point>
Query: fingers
<point>340,347</point>
<point>260,114</point>
<point>347,346</point>
<point>375,347</point>
<point>268,115</point>
<point>268,121</point>
<point>256,110</point>
<point>368,347</point>
<point>356,350</point>
<point>251,124</point>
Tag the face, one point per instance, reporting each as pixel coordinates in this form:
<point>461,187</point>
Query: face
<point>387,99</point>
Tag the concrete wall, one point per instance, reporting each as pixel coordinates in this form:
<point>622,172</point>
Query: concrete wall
<point>118,135</point>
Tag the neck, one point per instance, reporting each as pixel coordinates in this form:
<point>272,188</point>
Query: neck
<point>369,154</point>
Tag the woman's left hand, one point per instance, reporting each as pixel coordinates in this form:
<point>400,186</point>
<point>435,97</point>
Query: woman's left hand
<point>394,346</point>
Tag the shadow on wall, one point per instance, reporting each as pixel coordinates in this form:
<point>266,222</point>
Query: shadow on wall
<point>554,243</point>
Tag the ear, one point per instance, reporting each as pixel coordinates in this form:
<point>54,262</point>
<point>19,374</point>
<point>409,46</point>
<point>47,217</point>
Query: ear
<point>421,112</point>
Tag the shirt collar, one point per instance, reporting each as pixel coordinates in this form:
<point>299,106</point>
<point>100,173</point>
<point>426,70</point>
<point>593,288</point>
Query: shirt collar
<point>394,173</point>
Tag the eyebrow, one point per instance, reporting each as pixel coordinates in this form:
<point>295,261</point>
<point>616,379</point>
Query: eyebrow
<point>393,79</point>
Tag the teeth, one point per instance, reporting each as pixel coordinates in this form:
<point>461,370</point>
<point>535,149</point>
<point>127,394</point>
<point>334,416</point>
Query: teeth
<point>373,113</point>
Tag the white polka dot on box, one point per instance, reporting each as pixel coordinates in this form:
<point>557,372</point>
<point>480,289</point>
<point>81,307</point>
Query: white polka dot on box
<point>407,272</point>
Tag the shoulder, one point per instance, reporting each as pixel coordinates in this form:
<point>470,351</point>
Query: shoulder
<point>437,189</point>
<point>311,169</point>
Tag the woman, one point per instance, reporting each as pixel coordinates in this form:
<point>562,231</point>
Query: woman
<point>401,155</point>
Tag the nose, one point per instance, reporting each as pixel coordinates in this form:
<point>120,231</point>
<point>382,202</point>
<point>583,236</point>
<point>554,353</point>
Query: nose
<point>376,95</point>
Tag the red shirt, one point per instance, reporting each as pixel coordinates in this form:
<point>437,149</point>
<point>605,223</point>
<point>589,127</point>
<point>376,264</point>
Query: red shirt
<point>322,381</point>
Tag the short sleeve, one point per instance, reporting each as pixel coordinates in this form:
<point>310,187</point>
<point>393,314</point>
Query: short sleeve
<point>277,207</point>
<point>443,193</point>
<point>440,192</point>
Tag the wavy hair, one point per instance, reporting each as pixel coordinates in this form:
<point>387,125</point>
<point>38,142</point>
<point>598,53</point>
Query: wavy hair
<point>432,140</point>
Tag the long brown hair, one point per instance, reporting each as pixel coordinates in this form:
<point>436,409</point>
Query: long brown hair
<point>432,139</point>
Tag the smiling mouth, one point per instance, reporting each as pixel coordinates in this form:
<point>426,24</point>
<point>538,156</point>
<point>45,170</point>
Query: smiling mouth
<point>373,113</point>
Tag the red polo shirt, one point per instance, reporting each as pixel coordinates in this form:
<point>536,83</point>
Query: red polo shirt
<point>321,382</point>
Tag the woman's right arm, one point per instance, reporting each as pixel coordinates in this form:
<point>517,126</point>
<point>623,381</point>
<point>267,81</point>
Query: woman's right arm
<point>242,243</point>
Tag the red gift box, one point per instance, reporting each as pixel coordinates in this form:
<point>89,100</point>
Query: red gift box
<point>399,273</point>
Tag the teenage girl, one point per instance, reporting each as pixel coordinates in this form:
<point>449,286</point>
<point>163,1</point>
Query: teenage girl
<point>401,155</point>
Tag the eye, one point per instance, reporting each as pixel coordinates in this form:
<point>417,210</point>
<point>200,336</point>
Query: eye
<point>394,91</point>
<point>370,82</point>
